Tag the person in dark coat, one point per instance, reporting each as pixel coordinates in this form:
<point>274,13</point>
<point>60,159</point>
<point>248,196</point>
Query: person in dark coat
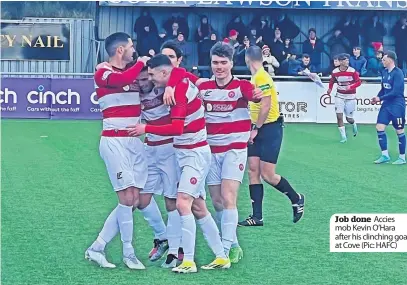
<point>277,45</point>
<point>373,31</point>
<point>182,24</point>
<point>237,24</point>
<point>144,20</point>
<point>338,44</point>
<point>358,61</point>
<point>314,47</point>
<point>350,28</point>
<point>147,40</point>
<point>287,27</point>
<point>204,29</point>
<point>305,65</point>
<point>204,48</point>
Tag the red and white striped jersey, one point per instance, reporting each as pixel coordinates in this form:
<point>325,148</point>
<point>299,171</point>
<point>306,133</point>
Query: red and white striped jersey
<point>347,81</point>
<point>189,107</point>
<point>118,98</point>
<point>154,112</point>
<point>226,114</point>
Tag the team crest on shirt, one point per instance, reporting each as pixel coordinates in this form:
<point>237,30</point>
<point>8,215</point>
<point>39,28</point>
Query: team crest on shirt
<point>193,180</point>
<point>231,94</point>
<point>241,167</point>
<point>126,88</point>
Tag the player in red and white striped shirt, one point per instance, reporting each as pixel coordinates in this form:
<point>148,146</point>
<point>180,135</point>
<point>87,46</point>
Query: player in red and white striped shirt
<point>194,158</point>
<point>348,80</point>
<point>123,155</point>
<point>228,125</point>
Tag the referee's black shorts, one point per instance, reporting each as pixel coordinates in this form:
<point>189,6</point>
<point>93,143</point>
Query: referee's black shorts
<point>268,142</point>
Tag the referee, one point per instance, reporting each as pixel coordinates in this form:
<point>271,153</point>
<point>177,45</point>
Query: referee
<point>265,143</point>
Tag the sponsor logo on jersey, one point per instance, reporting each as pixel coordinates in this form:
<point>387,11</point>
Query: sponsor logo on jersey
<point>126,88</point>
<point>106,74</point>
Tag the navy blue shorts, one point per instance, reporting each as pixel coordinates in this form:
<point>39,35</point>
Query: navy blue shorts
<point>267,143</point>
<point>395,115</point>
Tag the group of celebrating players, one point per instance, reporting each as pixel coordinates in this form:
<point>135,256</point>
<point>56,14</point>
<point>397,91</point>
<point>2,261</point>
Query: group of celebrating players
<point>197,132</point>
<point>203,132</point>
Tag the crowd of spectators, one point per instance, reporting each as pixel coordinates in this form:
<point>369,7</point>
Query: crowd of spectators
<point>363,40</point>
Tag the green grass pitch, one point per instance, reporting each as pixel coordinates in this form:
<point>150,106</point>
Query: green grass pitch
<point>56,196</point>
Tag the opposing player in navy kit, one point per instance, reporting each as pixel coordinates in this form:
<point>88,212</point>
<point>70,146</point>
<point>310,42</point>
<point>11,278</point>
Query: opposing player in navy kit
<point>393,108</point>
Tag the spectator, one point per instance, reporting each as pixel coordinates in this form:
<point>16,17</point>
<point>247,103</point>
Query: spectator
<point>375,65</point>
<point>290,63</point>
<point>338,44</point>
<point>147,40</point>
<point>277,45</point>
<point>254,38</point>
<point>305,66</point>
<point>373,31</point>
<point>289,48</point>
<point>314,47</point>
<point>237,24</point>
<point>358,61</point>
<point>241,52</point>
<point>270,63</point>
<point>204,29</point>
<point>233,34</point>
<point>265,32</point>
<point>204,48</point>
<point>287,27</point>
<point>181,26</point>
<point>350,28</point>
<point>186,50</point>
<point>400,34</point>
<point>145,20</point>
<point>162,36</point>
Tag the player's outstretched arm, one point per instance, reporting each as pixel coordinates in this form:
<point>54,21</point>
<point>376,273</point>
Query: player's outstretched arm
<point>107,78</point>
<point>249,92</point>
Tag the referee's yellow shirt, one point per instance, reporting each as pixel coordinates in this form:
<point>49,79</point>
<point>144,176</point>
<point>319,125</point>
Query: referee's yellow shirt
<point>264,81</point>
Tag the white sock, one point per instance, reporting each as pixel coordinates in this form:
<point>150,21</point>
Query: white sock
<point>229,225</point>
<point>219,219</point>
<point>174,232</point>
<point>153,216</point>
<point>211,234</point>
<point>385,153</point>
<point>402,156</point>
<point>109,231</point>
<point>342,131</point>
<point>125,221</point>
<point>188,236</point>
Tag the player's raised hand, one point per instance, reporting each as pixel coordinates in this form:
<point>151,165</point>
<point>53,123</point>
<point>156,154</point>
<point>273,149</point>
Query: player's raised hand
<point>104,65</point>
<point>143,59</point>
<point>169,96</point>
<point>136,130</point>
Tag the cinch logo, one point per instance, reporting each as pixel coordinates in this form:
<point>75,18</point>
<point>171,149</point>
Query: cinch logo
<point>8,96</point>
<point>62,97</point>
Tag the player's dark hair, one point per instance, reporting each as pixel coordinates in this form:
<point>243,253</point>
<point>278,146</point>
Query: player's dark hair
<point>254,53</point>
<point>158,61</point>
<point>222,49</point>
<point>306,55</point>
<point>113,41</point>
<point>391,54</point>
<point>174,46</point>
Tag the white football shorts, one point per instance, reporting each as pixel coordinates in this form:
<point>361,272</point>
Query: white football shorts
<point>125,160</point>
<point>193,167</point>
<point>345,106</point>
<point>227,165</point>
<point>162,171</point>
